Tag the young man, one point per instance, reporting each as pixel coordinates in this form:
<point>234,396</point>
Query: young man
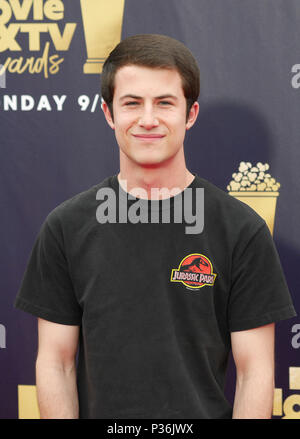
<point>154,310</point>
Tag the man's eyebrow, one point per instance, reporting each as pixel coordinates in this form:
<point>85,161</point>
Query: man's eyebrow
<point>140,97</point>
<point>166,97</point>
<point>130,96</point>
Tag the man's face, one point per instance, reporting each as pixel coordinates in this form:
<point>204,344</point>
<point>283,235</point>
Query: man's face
<point>149,110</point>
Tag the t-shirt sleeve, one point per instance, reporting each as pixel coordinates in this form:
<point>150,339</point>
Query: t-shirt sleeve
<point>46,290</point>
<point>259,292</point>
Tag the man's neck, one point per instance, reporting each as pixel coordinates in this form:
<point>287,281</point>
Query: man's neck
<point>152,180</point>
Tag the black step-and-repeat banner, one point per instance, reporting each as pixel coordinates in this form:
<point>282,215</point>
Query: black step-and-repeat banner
<point>56,143</point>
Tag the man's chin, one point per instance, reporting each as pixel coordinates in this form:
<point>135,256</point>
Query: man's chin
<point>149,160</point>
<point>151,164</point>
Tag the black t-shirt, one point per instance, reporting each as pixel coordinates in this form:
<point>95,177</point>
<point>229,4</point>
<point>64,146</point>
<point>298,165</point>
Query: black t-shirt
<point>155,304</point>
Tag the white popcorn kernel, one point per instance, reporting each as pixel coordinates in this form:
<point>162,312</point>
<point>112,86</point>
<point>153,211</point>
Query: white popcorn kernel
<point>252,176</point>
<point>234,186</point>
<point>261,186</point>
<point>245,183</point>
<point>238,177</point>
<point>243,167</point>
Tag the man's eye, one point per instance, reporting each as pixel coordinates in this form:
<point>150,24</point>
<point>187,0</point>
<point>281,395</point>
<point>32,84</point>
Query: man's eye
<point>131,103</point>
<point>165,103</point>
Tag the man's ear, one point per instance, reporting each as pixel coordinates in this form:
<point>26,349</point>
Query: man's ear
<point>194,111</point>
<point>107,114</point>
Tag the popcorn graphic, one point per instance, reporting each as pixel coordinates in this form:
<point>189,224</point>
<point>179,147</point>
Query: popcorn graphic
<point>256,187</point>
<point>102,25</point>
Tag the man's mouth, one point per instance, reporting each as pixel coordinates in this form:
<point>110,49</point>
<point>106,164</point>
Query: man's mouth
<point>149,136</point>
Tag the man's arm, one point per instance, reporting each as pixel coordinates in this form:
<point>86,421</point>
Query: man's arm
<point>56,370</point>
<point>253,353</point>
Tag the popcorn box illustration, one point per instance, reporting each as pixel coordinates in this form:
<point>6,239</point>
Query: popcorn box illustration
<point>255,187</point>
<point>102,22</point>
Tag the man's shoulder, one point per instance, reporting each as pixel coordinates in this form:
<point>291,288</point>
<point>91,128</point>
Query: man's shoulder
<point>224,207</point>
<point>79,205</point>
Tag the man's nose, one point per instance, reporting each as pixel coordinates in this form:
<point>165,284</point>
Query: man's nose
<point>148,118</point>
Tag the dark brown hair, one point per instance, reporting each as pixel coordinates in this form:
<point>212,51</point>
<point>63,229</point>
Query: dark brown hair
<point>155,51</point>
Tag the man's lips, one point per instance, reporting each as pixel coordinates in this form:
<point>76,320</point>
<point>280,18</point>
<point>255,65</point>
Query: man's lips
<point>149,136</point>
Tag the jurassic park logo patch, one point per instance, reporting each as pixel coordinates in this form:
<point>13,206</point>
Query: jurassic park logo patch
<point>194,271</point>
